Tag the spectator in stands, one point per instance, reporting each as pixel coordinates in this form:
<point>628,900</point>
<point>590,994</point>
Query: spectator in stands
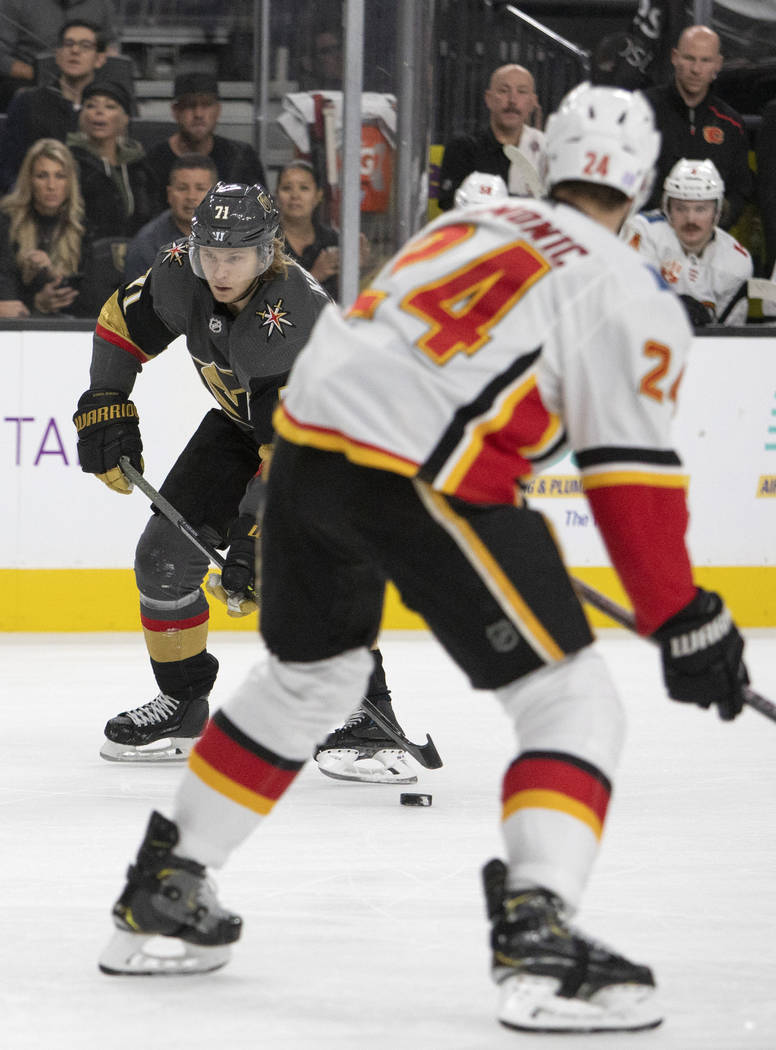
<point>508,146</point>
<point>191,176</point>
<point>29,27</point>
<point>42,238</point>
<point>51,110</point>
<point>306,239</point>
<point>196,110</point>
<point>694,122</point>
<point>117,182</point>
<point>322,67</point>
<point>705,266</point>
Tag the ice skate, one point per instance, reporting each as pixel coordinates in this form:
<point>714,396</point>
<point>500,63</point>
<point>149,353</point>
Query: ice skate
<point>361,751</point>
<point>168,919</point>
<point>163,730</point>
<point>553,978</point>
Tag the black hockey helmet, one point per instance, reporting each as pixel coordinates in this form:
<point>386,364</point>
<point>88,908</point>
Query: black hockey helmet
<point>234,215</point>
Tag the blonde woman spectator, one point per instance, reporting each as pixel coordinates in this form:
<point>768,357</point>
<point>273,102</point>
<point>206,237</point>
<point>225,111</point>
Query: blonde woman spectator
<point>41,234</point>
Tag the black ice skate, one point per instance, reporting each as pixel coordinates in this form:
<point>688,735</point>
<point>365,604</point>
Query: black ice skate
<point>163,730</point>
<point>360,750</point>
<point>553,978</point>
<point>168,896</point>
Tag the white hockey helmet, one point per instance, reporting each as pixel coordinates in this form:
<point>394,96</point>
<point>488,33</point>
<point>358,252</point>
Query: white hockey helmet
<point>604,135</point>
<point>480,188</point>
<point>694,180</point>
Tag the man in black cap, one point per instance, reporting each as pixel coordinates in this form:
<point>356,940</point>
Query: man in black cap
<point>196,110</point>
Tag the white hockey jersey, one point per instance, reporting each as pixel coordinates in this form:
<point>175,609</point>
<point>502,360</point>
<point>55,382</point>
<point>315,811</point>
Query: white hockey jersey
<point>715,277</point>
<point>497,336</point>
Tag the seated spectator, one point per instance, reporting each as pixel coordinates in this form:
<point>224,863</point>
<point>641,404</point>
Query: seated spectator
<point>694,122</point>
<point>705,266</point>
<point>51,110</point>
<point>196,110</point>
<point>306,239</point>
<point>42,245</point>
<point>29,27</point>
<point>118,186</point>
<point>191,176</point>
<point>508,146</point>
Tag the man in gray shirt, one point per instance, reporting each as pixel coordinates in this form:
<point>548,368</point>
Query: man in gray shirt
<point>191,176</point>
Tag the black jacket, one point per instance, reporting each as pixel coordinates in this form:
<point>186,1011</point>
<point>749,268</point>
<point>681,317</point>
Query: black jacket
<point>111,211</point>
<point>480,151</point>
<point>712,131</point>
<point>235,161</point>
<point>34,113</point>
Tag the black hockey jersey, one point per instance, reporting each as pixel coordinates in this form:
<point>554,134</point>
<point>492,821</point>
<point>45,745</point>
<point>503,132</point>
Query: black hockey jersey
<point>243,360</point>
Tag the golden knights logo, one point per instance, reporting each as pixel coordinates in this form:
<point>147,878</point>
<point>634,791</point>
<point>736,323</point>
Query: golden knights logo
<point>274,317</point>
<point>265,201</point>
<point>176,252</point>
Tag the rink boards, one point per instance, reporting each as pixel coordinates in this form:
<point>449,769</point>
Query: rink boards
<point>67,542</point>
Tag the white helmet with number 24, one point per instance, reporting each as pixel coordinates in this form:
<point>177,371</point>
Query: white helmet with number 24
<point>604,135</point>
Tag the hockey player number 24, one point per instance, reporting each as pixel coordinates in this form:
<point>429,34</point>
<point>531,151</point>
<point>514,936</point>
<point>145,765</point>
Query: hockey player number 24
<point>460,308</point>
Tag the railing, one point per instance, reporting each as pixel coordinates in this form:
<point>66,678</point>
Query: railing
<point>476,38</point>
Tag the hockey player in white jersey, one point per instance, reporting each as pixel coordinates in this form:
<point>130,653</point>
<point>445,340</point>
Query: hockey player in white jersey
<point>703,264</point>
<point>498,336</point>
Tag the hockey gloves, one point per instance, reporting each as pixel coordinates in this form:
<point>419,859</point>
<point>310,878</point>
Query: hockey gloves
<point>234,586</point>
<point>698,314</point>
<point>108,428</point>
<point>702,656</point>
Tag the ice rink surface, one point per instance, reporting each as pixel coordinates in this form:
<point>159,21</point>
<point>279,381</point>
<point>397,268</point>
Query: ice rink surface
<point>364,920</point>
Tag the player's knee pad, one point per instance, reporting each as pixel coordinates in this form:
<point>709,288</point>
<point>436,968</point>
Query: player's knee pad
<point>290,707</point>
<point>189,679</point>
<point>570,706</point>
<point>167,564</point>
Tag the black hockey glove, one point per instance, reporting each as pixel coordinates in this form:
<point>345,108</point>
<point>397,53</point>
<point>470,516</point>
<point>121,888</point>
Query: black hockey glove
<point>108,428</point>
<point>702,656</point>
<point>235,584</point>
<point>697,312</point>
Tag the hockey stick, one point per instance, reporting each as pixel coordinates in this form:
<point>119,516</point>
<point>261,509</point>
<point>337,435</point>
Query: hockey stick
<point>522,165</point>
<point>626,619</point>
<point>170,512</point>
<point>425,754</point>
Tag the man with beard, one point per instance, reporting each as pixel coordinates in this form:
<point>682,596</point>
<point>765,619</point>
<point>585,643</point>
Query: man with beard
<point>705,266</point>
<point>508,146</point>
<point>196,109</point>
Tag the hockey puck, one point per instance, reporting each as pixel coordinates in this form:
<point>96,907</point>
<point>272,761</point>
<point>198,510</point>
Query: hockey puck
<point>408,799</point>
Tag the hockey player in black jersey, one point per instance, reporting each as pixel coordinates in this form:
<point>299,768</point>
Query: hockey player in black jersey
<point>246,310</point>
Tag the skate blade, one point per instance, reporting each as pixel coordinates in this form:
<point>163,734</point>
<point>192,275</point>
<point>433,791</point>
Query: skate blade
<point>388,766</point>
<point>148,955</point>
<point>529,1003</point>
<point>170,749</point>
